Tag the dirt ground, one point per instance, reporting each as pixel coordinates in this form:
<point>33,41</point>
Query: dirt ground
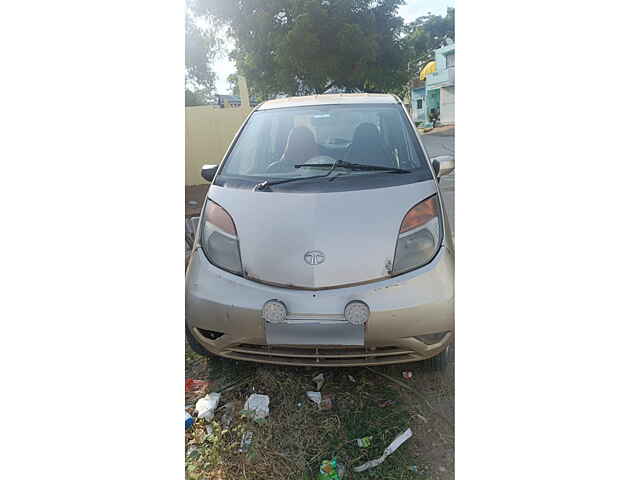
<point>194,196</point>
<point>297,436</point>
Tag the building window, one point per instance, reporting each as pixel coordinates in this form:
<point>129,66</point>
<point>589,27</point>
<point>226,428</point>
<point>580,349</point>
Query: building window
<point>451,60</point>
<point>420,104</point>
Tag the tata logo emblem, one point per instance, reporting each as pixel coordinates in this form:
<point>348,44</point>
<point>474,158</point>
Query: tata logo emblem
<point>314,257</point>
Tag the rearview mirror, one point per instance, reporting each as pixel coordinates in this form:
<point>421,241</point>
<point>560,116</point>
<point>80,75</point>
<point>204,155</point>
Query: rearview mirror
<point>208,172</point>
<point>443,165</point>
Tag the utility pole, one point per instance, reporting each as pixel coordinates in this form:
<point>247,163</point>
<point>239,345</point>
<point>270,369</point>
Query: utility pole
<point>244,93</point>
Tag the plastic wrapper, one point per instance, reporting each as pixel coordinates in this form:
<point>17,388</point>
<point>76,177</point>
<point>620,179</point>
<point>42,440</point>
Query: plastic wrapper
<point>206,405</point>
<point>393,446</point>
<point>331,470</point>
<point>319,380</point>
<point>364,442</point>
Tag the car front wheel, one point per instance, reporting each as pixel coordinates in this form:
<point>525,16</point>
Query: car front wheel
<point>195,345</point>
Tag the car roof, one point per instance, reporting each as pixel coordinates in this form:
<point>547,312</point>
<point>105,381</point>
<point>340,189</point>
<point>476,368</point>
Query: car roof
<point>328,99</point>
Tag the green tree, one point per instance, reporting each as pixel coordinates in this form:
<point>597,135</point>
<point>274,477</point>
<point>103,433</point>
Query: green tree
<point>233,81</point>
<point>202,46</point>
<point>307,46</point>
<point>198,97</point>
<point>426,34</point>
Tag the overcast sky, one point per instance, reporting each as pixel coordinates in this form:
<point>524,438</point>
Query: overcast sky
<point>412,10</point>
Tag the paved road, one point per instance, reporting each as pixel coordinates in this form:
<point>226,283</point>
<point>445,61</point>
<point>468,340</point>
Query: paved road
<point>443,145</point>
<point>438,144</point>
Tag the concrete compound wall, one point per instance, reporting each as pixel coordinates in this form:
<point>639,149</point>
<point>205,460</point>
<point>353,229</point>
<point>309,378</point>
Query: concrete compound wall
<point>447,105</point>
<point>209,132</point>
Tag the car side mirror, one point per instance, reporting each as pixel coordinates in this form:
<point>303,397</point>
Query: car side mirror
<point>208,172</point>
<point>443,165</point>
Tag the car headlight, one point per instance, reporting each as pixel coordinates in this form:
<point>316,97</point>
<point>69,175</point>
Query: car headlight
<point>219,238</point>
<point>420,236</point>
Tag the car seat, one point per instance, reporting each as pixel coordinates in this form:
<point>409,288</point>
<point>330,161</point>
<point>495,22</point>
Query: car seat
<point>367,147</point>
<point>301,147</point>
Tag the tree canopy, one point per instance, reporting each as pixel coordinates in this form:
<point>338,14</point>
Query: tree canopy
<point>307,46</point>
<point>194,98</point>
<point>426,34</point>
<point>202,46</point>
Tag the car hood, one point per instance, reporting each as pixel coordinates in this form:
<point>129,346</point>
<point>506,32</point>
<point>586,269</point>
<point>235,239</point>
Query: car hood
<point>356,231</point>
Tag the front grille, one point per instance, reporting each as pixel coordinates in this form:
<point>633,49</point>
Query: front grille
<point>344,356</point>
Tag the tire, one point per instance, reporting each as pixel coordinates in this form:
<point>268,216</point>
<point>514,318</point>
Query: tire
<point>439,362</point>
<point>195,346</point>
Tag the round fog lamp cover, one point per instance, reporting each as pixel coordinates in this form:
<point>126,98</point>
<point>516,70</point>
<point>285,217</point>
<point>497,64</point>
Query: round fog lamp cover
<point>356,312</point>
<point>274,311</point>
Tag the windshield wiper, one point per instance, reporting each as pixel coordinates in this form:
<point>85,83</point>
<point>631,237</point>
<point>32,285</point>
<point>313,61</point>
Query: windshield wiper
<point>337,164</point>
<point>353,166</point>
<point>262,186</point>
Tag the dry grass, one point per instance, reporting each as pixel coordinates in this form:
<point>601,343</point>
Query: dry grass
<point>297,436</point>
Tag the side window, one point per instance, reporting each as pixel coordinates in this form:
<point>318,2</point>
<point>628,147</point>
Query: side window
<point>400,141</point>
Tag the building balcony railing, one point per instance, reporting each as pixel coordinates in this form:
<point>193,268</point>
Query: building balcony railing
<point>443,78</point>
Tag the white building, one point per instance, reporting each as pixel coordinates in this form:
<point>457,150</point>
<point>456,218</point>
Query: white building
<point>439,88</point>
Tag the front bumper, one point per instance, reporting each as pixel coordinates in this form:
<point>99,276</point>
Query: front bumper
<point>224,315</point>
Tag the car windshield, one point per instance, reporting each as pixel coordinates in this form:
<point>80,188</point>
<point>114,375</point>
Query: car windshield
<point>275,144</point>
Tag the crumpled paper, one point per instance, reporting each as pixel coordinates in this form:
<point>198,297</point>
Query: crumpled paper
<point>257,405</point>
<point>393,446</point>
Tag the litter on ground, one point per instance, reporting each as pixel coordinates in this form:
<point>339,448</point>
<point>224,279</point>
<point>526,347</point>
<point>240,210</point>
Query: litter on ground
<point>393,446</point>
<point>229,410</point>
<point>192,385</point>
<point>257,406</point>
<point>191,450</point>
<point>188,420</point>
<point>324,401</point>
<point>364,442</point>
<point>319,380</point>
<point>206,405</point>
<point>245,442</point>
<point>331,470</point>
<point>407,374</point>
<point>315,397</point>
<point>327,402</point>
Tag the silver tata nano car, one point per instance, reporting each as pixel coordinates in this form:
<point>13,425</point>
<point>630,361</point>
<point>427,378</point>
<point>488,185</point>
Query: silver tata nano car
<point>323,240</point>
